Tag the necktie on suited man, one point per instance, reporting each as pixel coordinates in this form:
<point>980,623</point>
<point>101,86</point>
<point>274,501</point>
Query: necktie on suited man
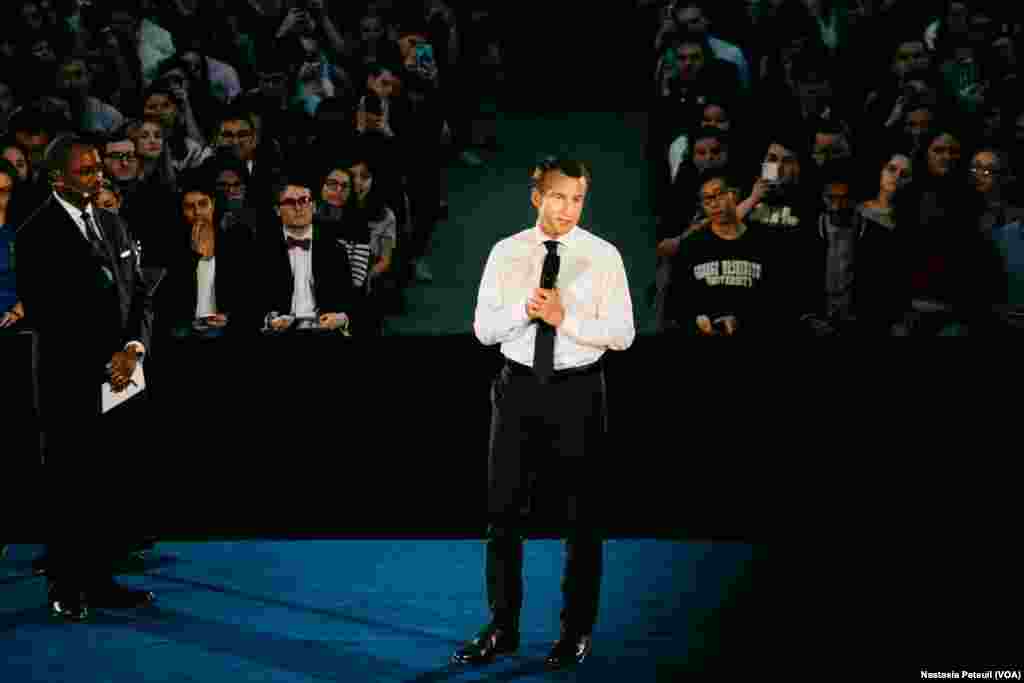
<point>102,249</point>
<point>544,346</point>
<point>93,234</point>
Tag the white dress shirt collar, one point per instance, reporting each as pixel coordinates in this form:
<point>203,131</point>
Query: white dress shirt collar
<point>306,234</point>
<point>566,240</point>
<point>76,214</point>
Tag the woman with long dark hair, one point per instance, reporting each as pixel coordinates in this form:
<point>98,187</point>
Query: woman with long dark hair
<point>953,273</point>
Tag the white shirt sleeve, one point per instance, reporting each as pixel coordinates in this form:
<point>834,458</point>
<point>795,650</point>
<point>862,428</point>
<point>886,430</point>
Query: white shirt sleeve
<point>614,327</point>
<point>497,321</point>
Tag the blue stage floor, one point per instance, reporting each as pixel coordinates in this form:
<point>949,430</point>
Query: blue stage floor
<point>371,610</point>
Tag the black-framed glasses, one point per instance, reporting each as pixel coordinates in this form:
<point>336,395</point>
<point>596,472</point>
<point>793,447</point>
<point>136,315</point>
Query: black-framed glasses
<point>334,185</point>
<point>121,156</point>
<point>296,203</point>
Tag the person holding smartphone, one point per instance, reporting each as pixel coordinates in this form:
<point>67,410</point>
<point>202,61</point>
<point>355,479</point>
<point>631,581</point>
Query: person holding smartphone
<point>418,122</point>
<point>779,199</point>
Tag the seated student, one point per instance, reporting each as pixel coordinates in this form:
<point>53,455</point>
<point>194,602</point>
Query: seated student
<point>854,266</point>
<point>303,269</point>
<point>728,278</point>
<point>207,279</point>
<point>710,157</point>
<point>339,210</point>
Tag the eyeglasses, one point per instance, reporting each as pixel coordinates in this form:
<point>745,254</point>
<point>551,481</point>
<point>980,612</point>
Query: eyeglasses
<point>241,136</point>
<point>296,203</point>
<point>337,185</point>
<point>983,171</point>
<point>230,186</point>
<point>125,157</point>
<point>89,171</point>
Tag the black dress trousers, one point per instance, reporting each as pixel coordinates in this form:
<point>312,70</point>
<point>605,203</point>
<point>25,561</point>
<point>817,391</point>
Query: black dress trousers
<point>545,447</point>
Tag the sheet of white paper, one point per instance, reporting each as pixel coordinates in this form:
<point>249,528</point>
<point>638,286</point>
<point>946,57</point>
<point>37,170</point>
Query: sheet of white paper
<point>110,399</point>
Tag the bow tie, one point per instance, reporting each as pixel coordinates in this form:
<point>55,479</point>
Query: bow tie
<point>301,244</point>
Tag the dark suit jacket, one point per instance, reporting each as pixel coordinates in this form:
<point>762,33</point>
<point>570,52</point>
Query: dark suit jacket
<point>880,296</point>
<point>332,274</point>
<point>82,317</point>
<point>176,300</point>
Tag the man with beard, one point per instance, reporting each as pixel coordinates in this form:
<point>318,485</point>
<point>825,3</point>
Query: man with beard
<point>779,200</point>
<point>855,263</point>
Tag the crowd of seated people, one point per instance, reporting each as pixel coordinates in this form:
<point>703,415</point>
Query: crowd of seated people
<point>879,143</point>
<point>913,103</point>
<point>239,138</point>
<point>233,131</point>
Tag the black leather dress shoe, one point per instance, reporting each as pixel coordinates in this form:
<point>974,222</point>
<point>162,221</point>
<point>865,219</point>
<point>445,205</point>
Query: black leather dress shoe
<point>569,650</point>
<point>67,604</point>
<point>115,596</point>
<point>491,641</point>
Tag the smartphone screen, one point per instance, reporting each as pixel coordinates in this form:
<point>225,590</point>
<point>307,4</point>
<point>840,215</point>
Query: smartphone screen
<point>770,171</point>
<point>424,55</point>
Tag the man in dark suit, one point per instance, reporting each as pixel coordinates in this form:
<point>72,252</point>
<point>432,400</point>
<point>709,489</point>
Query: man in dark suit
<point>79,275</point>
<point>303,268</point>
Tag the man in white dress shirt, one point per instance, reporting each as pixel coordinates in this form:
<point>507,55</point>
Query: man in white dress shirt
<point>559,282</point>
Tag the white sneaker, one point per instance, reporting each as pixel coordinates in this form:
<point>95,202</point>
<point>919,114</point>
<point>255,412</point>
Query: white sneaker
<point>423,273</point>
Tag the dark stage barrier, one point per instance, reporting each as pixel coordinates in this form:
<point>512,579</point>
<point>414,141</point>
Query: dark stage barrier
<point>334,436</point>
<point>18,426</point>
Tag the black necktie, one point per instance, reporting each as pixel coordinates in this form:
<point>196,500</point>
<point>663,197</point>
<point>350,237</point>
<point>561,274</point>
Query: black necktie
<point>544,348</point>
<point>93,235</point>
